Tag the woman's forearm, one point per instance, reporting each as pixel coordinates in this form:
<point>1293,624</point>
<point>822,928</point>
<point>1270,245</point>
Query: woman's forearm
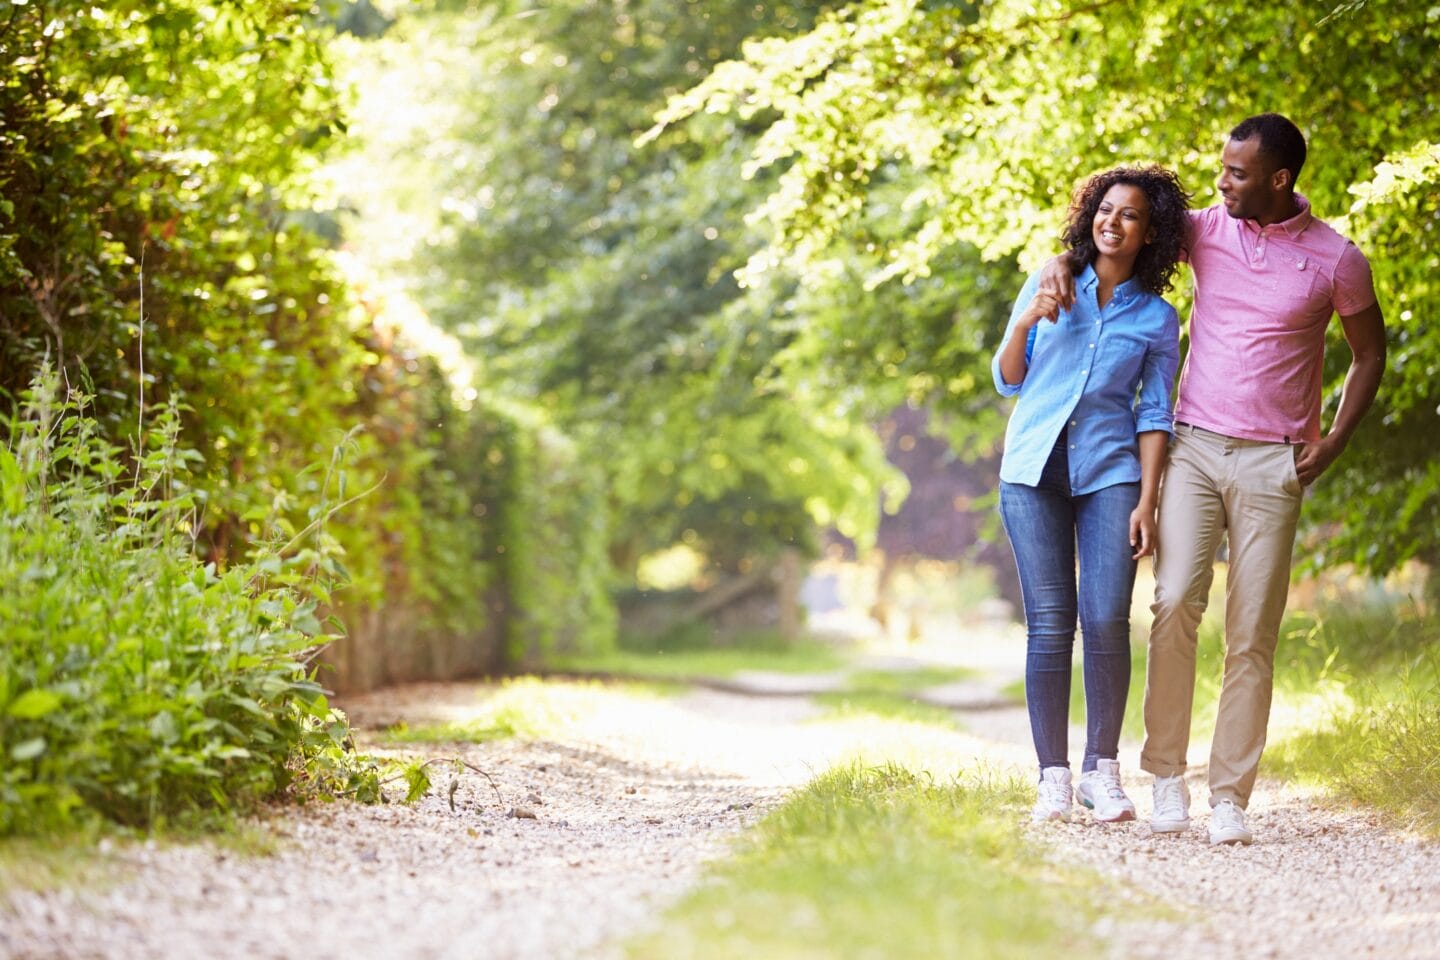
<point>1013,366</point>
<point>1152,464</point>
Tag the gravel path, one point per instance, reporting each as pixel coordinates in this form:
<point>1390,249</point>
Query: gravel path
<point>626,815</point>
<point>1318,882</point>
<point>622,821</point>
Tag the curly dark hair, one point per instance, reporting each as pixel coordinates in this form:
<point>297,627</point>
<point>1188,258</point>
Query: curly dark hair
<point>1155,264</point>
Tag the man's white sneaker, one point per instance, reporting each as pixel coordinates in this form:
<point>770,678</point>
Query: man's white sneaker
<point>1171,810</point>
<point>1053,799</point>
<point>1100,790</point>
<point>1227,824</point>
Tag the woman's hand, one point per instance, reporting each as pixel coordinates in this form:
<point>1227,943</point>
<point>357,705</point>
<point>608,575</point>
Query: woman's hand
<point>1143,530</point>
<point>1045,306</point>
<point>1013,364</point>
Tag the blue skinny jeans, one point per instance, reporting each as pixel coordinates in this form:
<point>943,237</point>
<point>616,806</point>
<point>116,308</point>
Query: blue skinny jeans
<point>1045,524</point>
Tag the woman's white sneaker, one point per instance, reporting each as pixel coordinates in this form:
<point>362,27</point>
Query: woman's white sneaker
<point>1053,795</point>
<point>1171,810</point>
<point>1227,824</point>
<point>1100,790</point>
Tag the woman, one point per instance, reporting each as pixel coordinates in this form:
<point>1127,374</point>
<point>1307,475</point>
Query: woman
<point>1081,472</point>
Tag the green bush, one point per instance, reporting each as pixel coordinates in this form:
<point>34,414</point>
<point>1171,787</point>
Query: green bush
<point>550,542</point>
<point>137,683</point>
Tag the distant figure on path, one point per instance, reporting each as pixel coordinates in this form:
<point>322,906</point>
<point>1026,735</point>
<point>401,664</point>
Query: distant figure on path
<point>1084,451</point>
<point>1268,278</point>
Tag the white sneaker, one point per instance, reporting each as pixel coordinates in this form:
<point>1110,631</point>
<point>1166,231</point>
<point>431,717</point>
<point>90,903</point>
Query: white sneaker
<point>1171,810</point>
<point>1100,791</point>
<point>1053,799</point>
<point>1227,824</point>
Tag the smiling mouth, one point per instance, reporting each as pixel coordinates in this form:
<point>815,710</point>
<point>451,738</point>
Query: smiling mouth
<point>1112,237</point>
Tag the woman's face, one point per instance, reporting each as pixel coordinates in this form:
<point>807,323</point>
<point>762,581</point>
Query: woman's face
<point>1122,223</point>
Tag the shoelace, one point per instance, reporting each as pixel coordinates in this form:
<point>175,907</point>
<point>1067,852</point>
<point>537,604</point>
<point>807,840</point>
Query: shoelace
<point>1055,792</point>
<point>1112,787</point>
<point>1168,802</point>
<point>1228,815</point>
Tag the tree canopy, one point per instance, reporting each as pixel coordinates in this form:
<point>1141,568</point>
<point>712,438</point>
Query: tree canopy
<point>910,130</point>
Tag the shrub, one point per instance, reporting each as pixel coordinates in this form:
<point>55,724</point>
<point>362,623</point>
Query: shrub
<point>136,683</point>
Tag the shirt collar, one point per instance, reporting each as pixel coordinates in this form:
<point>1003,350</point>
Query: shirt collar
<point>1295,225</point>
<point>1089,281</point>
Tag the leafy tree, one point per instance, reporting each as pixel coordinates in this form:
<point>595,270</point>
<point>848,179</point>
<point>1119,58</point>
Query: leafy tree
<point>912,129</point>
<point>594,279</point>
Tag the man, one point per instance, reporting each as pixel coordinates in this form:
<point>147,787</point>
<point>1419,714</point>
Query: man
<point>1268,278</point>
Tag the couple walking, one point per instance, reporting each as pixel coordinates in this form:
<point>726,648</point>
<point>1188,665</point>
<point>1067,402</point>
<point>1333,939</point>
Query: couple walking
<point>1092,350</point>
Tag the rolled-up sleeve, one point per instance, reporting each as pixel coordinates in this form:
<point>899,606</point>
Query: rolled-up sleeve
<point>1027,293</point>
<point>1153,410</point>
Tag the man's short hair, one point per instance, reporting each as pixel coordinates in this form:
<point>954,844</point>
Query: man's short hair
<point>1281,142</point>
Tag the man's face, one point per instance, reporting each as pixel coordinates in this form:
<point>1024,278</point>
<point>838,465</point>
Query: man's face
<point>1246,181</point>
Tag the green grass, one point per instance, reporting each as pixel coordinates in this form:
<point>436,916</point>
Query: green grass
<point>905,681</point>
<point>94,855</point>
<point>842,705</point>
<point>1355,714</point>
<point>1376,739</point>
<point>1356,711</point>
<point>77,858</point>
<point>532,709</point>
<point>892,694</point>
<point>879,862</point>
<point>684,664</point>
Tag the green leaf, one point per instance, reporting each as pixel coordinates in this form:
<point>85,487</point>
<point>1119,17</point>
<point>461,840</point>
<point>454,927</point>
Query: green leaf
<point>28,749</point>
<point>163,728</point>
<point>245,703</point>
<point>12,485</point>
<point>34,704</point>
<point>417,780</point>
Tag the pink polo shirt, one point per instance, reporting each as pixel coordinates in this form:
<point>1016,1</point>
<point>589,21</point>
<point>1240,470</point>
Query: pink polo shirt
<point>1263,298</point>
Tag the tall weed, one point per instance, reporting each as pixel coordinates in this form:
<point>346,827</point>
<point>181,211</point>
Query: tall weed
<point>138,684</point>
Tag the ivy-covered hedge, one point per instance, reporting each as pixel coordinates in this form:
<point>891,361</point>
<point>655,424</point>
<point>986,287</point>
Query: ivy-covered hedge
<point>550,544</point>
<point>155,159</point>
<point>161,248</point>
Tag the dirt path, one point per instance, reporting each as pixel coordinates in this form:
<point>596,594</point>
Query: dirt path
<point>1318,883</point>
<point>622,820</point>
<point>627,814</point>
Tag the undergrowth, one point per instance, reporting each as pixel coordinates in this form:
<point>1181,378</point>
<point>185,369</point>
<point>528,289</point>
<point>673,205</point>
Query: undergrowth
<point>138,684</point>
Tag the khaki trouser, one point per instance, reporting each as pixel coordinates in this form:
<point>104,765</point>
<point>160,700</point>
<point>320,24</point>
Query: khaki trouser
<point>1213,484</point>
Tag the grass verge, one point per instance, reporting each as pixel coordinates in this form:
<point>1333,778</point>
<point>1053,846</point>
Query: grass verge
<point>532,708</point>
<point>97,855</point>
<point>881,862</point>
<point>1377,739</point>
<point>843,705</point>
<point>685,664</point>
<point>1357,683</point>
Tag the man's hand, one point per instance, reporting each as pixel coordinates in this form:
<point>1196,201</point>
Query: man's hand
<point>1143,530</point>
<point>1315,458</point>
<point>1365,333</point>
<point>1057,280</point>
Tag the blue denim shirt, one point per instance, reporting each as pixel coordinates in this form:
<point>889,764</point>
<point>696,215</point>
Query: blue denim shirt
<point>1105,374</point>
